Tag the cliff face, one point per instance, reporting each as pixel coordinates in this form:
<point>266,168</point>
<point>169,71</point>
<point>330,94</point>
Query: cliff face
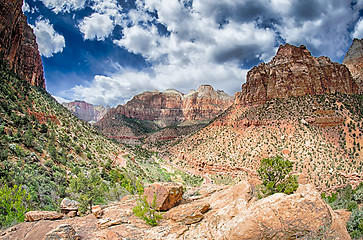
<point>354,61</point>
<point>86,111</point>
<point>173,107</point>
<point>154,106</point>
<point>18,44</point>
<point>294,72</point>
<point>147,113</point>
<point>205,103</point>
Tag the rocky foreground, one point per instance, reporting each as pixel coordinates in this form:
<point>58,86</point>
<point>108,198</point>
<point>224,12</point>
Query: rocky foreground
<point>207,212</point>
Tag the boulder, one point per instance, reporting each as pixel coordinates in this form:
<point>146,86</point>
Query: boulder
<point>167,194</point>
<point>62,232</point>
<point>69,207</point>
<point>235,215</point>
<point>33,216</point>
<point>188,213</point>
<point>97,211</point>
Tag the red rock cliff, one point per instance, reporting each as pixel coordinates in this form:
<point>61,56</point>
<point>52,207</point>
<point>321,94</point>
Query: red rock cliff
<point>172,106</point>
<point>18,44</point>
<point>354,61</point>
<point>294,72</point>
<point>86,111</point>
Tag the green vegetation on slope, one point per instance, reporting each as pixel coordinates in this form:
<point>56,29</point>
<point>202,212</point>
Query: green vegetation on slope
<point>43,146</point>
<point>44,149</point>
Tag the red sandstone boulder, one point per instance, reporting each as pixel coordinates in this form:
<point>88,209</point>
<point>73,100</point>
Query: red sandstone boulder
<point>62,232</point>
<point>69,207</point>
<point>167,194</point>
<point>33,216</point>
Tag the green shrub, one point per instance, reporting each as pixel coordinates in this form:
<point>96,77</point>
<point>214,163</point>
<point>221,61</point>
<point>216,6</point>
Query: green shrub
<point>355,224</point>
<point>274,173</point>
<point>147,212</point>
<point>13,205</point>
<point>87,189</point>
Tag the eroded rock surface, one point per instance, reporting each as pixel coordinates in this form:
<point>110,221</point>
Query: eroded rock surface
<point>18,45</point>
<point>219,213</point>
<point>86,111</point>
<point>42,215</point>
<point>293,72</point>
<point>167,195</point>
<point>354,61</point>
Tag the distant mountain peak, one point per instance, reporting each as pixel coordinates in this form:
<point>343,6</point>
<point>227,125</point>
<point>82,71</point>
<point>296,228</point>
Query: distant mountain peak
<point>294,72</point>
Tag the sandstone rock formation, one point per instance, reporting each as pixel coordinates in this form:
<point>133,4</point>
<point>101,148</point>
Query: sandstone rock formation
<point>69,207</point>
<point>219,213</point>
<point>167,195</point>
<point>294,72</point>
<point>18,46</point>
<point>172,107</point>
<point>149,111</point>
<point>354,61</point>
<point>63,231</point>
<point>86,111</point>
<point>33,216</point>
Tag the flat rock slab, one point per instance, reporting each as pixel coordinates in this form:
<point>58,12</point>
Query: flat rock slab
<point>33,216</point>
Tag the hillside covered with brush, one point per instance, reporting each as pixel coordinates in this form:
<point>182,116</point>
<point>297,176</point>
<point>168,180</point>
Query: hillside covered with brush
<point>304,108</point>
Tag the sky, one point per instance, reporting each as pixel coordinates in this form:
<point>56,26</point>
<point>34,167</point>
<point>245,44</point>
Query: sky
<point>106,51</point>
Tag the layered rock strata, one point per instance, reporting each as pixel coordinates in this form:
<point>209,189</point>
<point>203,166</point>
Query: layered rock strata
<point>170,107</point>
<point>86,111</point>
<point>293,72</point>
<point>18,46</point>
<point>354,61</point>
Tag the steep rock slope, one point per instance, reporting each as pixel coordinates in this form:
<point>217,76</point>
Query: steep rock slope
<point>151,111</point>
<point>86,111</point>
<point>293,72</point>
<point>354,61</point>
<point>320,132</point>
<point>18,44</point>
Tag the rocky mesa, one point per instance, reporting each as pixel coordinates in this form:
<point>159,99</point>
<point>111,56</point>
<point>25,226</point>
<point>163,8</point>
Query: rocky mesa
<point>87,111</point>
<point>152,111</point>
<point>293,72</point>
<point>18,46</point>
<point>173,107</point>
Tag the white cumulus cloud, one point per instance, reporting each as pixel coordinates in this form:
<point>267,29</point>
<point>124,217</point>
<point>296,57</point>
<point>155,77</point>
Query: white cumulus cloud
<point>187,43</point>
<point>64,5</point>
<point>358,30</point>
<point>100,24</point>
<point>97,26</point>
<point>49,41</point>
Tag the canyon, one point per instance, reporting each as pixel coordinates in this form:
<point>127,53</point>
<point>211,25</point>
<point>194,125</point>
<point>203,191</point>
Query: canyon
<point>306,109</point>
<point>169,114</point>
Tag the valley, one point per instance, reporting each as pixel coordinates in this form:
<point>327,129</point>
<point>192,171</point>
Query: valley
<point>173,165</point>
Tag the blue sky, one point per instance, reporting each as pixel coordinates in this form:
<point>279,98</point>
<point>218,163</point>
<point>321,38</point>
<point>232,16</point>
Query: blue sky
<point>106,51</point>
